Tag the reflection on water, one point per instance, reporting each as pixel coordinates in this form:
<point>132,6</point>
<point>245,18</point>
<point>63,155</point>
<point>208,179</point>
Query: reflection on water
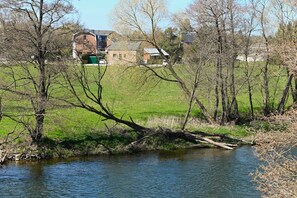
<point>184,173</point>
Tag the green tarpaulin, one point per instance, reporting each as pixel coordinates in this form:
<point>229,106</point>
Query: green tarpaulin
<point>92,60</point>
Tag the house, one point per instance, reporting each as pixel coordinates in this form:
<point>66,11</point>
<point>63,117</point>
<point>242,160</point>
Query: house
<point>256,52</point>
<point>124,53</point>
<point>153,56</point>
<point>91,42</point>
<point>109,45</point>
<point>133,53</point>
<point>188,37</point>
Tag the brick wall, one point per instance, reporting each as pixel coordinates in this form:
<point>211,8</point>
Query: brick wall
<point>85,43</point>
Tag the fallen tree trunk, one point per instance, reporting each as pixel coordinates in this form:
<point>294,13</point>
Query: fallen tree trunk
<point>2,157</point>
<point>224,142</point>
<point>96,105</point>
<point>219,144</point>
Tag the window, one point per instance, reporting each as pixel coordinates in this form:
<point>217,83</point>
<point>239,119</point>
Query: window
<point>114,55</point>
<point>120,56</point>
<point>102,42</point>
<point>124,55</point>
<point>85,36</point>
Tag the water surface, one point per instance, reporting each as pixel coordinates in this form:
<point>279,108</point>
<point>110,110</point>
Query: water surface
<point>186,173</point>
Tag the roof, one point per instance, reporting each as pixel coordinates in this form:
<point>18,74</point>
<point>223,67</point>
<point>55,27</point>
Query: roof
<point>189,37</point>
<point>258,47</point>
<point>155,52</point>
<point>98,32</point>
<point>124,46</point>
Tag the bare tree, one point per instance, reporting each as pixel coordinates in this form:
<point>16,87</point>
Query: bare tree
<point>222,22</point>
<point>233,18</point>
<point>212,13</point>
<point>223,25</point>
<point>86,81</point>
<point>197,61</point>
<point>284,46</point>
<point>31,30</point>
<point>249,59</point>
<point>88,93</point>
<point>145,17</point>
<point>262,12</point>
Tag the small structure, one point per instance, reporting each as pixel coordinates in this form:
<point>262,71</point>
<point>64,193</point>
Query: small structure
<point>153,56</point>
<point>256,52</point>
<point>189,37</point>
<point>124,53</point>
<point>91,42</point>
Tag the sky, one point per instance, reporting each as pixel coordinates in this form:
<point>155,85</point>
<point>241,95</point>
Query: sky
<point>94,14</point>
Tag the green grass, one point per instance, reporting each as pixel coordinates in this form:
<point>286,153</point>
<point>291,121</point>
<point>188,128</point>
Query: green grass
<point>128,93</point>
<point>233,131</point>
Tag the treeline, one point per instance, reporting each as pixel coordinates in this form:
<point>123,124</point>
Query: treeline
<point>222,32</point>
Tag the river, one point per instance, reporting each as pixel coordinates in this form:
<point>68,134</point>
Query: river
<point>185,173</point>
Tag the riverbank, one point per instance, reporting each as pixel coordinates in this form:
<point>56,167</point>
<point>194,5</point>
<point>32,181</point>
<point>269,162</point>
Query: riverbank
<point>118,141</point>
<point>70,131</point>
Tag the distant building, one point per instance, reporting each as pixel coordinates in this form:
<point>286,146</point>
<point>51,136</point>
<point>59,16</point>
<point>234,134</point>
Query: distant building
<point>91,42</point>
<point>189,37</point>
<point>124,53</point>
<point>106,43</point>
<point>153,56</point>
<point>256,52</point>
<point>133,53</point>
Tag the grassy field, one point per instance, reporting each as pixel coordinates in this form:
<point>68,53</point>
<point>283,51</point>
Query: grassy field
<point>149,101</point>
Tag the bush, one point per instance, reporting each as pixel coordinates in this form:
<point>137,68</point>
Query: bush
<point>155,61</point>
<point>85,58</point>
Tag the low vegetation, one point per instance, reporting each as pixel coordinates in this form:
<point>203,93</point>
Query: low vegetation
<point>152,103</point>
<point>276,148</point>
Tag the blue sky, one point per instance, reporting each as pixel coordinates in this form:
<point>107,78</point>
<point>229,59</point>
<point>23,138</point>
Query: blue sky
<point>94,14</point>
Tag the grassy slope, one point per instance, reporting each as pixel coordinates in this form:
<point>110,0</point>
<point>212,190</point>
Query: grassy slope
<point>127,95</point>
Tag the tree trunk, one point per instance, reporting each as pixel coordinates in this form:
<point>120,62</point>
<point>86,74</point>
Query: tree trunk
<point>3,155</point>
<point>188,94</point>
<point>294,90</point>
<point>1,113</point>
<point>217,99</point>
<point>189,110</point>
<point>37,133</point>
<point>225,142</point>
<point>220,73</point>
<point>281,105</point>
<point>251,99</point>
<point>267,108</point>
<point>234,105</point>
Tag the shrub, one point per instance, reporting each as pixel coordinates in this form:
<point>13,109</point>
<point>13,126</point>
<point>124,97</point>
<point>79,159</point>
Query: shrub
<point>155,61</point>
<point>85,58</point>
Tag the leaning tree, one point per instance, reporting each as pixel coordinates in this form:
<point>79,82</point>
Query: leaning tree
<point>88,92</point>
<point>87,87</point>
